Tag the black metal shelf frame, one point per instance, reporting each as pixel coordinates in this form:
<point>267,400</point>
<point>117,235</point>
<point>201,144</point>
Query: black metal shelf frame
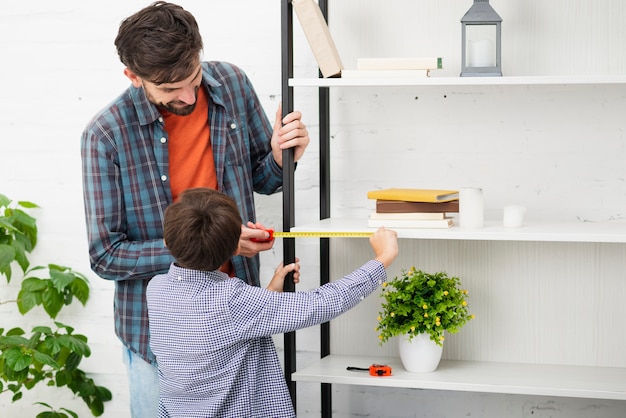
<point>289,245</point>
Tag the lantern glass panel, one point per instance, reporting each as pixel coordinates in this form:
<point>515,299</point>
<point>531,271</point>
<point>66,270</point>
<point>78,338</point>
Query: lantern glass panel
<point>480,45</point>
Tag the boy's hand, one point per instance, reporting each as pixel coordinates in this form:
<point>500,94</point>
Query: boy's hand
<point>385,245</point>
<point>278,281</point>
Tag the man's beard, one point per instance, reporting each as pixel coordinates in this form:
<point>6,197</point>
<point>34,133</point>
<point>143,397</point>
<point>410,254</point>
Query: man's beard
<point>180,111</point>
<point>170,107</point>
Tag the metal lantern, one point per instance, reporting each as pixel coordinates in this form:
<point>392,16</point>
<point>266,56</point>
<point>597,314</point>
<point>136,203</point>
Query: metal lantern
<point>481,40</point>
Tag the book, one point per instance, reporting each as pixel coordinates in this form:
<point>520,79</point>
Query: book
<point>395,206</point>
<point>408,63</point>
<point>414,195</point>
<point>318,36</point>
<point>411,223</point>
<point>407,215</point>
<point>384,73</point>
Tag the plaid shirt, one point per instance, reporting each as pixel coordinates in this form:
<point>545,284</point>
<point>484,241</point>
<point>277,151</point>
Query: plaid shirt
<point>212,338</point>
<point>126,186</point>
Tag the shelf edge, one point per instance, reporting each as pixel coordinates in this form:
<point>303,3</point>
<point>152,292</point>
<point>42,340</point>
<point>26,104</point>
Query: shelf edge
<point>457,81</point>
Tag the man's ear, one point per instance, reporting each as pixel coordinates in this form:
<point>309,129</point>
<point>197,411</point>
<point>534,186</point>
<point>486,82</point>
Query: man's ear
<point>134,78</point>
<point>237,250</point>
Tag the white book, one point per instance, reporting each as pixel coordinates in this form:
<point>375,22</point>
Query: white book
<point>408,63</point>
<point>411,223</point>
<point>407,215</point>
<point>318,36</point>
<point>384,73</point>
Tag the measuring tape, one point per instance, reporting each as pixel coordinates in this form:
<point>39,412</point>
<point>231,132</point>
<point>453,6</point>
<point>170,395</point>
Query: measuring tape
<point>374,369</point>
<point>314,234</point>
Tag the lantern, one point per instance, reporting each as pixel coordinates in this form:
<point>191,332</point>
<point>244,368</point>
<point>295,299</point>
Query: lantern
<point>481,37</point>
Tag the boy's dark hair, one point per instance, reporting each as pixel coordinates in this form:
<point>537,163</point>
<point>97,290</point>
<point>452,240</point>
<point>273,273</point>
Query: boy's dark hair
<point>202,229</point>
<point>160,43</point>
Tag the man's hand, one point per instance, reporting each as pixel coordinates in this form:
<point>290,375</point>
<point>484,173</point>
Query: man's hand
<point>250,231</point>
<point>289,132</point>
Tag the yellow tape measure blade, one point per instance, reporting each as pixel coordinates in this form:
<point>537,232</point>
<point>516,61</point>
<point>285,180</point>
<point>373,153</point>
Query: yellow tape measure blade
<point>322,234</point>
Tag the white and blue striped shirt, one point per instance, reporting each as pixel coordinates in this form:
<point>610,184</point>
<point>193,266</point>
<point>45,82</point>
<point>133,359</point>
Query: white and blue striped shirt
<point>211,335</point>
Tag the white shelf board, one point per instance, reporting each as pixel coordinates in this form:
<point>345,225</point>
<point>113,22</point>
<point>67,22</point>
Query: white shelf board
<point>456,81</point>
<point>474,376</point>
<point>574,231</point>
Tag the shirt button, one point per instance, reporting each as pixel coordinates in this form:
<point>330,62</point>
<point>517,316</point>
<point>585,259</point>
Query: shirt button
<point>233,125</point>
<point>179,278</point>
<point>163,140</point>
<point>164,178</point>
<point>161,119</point>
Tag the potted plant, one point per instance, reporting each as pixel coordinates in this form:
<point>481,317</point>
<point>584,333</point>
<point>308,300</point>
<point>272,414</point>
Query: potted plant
<point>51,353</point>
<point>420,307</point>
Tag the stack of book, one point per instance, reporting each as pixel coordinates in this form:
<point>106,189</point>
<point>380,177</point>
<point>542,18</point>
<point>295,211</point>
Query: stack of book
<point>413,208</point>
<point>394,67</point>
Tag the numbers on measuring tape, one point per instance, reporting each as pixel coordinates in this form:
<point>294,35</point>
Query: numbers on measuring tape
<point>326,234</point>
<point>313,234</point>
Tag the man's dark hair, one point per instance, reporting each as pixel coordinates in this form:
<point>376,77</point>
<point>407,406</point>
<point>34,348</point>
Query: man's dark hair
<point>202,229</point>
<point>160,43</point>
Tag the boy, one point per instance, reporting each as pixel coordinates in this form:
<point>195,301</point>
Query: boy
<point>211,334</point>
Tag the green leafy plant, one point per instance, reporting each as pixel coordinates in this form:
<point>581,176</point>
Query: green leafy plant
<point>55,414</point>
<point>46,355</point>
<point>419,302</point>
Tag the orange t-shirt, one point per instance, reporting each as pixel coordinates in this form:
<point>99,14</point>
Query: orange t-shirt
<point>191,156</point>
<point>190,153</point>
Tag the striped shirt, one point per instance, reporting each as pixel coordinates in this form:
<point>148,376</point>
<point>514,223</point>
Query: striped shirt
<point>212,338</point>
<point>126,188</point>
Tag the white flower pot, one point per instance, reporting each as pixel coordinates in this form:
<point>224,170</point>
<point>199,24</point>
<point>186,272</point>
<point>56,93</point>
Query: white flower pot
<point>420,354</point>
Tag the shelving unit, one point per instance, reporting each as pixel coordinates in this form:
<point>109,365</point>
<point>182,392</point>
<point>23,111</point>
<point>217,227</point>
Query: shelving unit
<point>473,376</point>
<point>476,376</point>
<point>614,232</point>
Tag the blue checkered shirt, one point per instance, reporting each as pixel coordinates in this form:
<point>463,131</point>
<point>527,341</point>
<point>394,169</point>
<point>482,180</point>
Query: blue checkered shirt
<point>126,186</point>
<point>212,338</point>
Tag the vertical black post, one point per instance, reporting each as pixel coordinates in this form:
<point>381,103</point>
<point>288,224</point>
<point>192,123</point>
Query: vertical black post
<point>324,157</point>
<point>289,245</point>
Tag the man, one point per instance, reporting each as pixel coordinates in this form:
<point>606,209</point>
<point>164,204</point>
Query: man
<point>182,123</point>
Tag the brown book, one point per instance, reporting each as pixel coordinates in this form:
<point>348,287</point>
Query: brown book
<point>398,206</point>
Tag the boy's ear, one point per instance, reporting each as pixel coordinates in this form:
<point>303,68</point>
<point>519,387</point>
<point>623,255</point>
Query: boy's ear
<point>164,243</point>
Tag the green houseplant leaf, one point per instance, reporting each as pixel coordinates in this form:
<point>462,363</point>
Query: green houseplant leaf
<point>419,302</point>
<point>45,355</point>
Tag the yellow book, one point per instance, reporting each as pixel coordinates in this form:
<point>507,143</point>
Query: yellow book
<point>414,195</point>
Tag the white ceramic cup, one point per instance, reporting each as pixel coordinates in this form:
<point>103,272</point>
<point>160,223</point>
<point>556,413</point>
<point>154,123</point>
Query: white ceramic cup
<point>513,216</point>
<point>471,207</point>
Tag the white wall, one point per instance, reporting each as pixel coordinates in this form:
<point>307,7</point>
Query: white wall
<point>535,145</point>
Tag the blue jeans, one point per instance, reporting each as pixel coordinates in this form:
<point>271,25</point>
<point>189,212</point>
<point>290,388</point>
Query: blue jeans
<point>143,384</point>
